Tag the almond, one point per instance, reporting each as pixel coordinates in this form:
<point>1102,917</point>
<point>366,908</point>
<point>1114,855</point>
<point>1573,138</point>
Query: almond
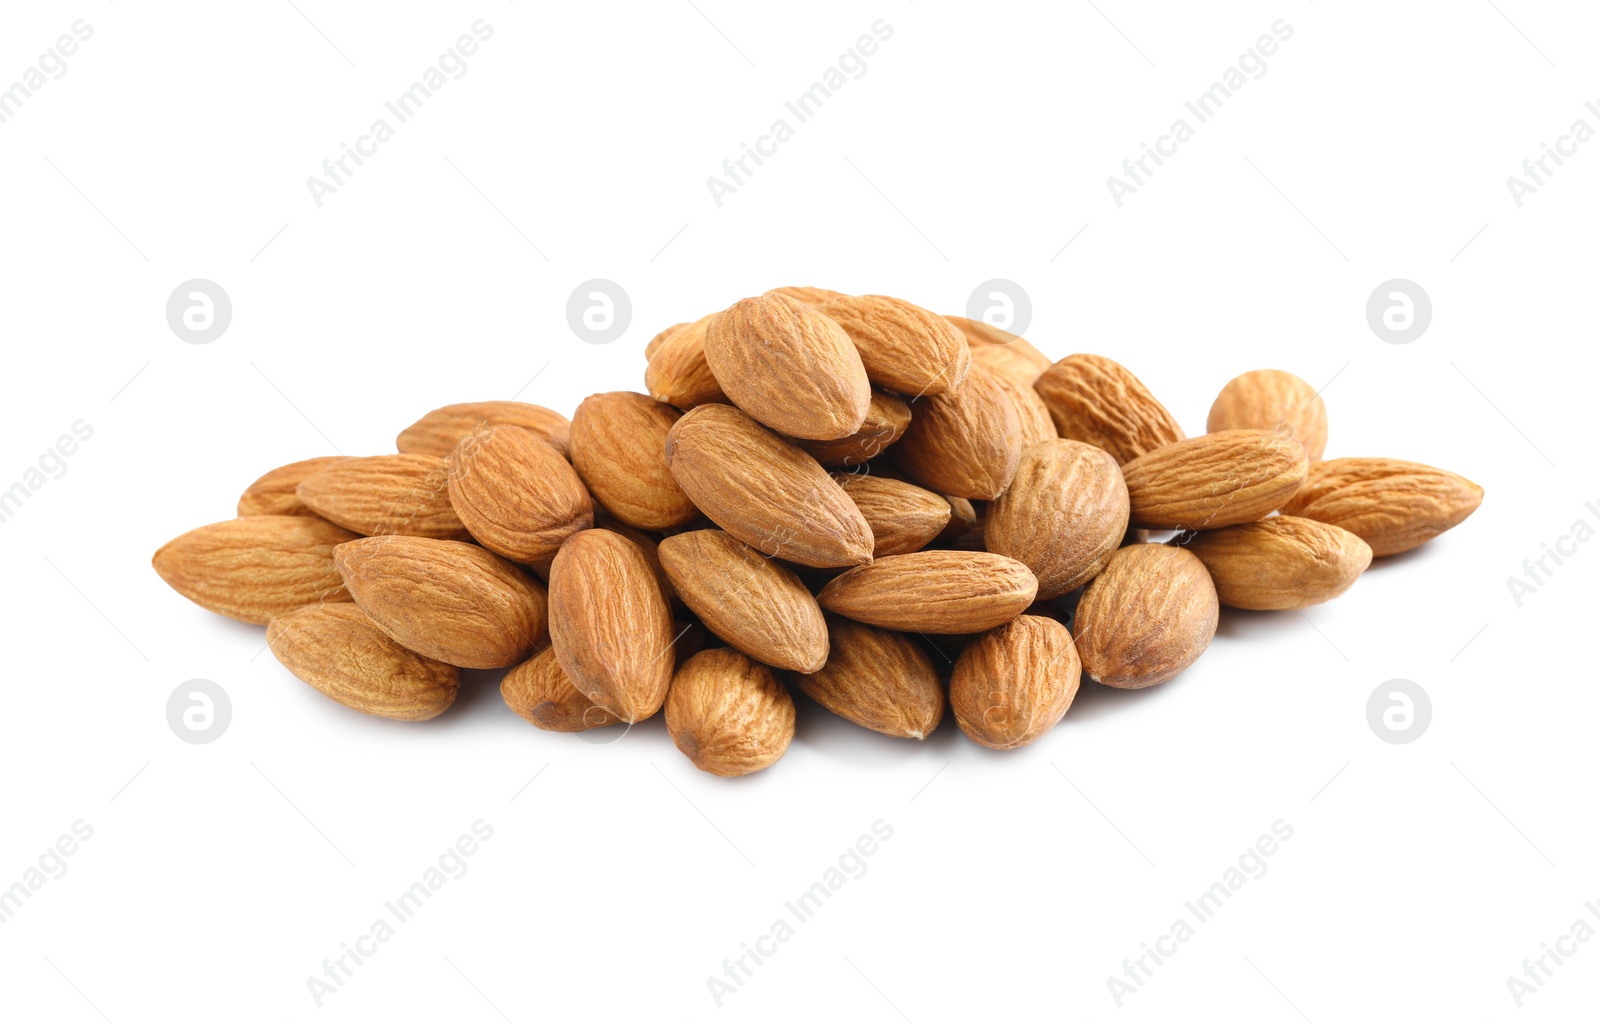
<point>903,517</point>
<point>273,492</point>
<point>904,347</point>
<point>1273,400</point>
<point>1001,352</point>
<point>887,419</point>
<point>877,679</point>
<point>933,592</point>
<point>254,568</point>
<point>789,367</point>
<point>808,295</point>
<point>340,651</point>
<point>1063,515</point>
<point>748,600</point>
<point>1100,402</point>
<point>764,491</point>
<point>385,494</point>
<point>441,430</point>
<point>647,543</point>
<point>678,373</point>
<point>618,447</point>
<point>654,344</point>
<point>1392,505</point>
<point>609,625</point>
<point>1281,562</point>
<point>516,494</point>
<point>1014,683</point>
<point>728,714</point>
<point>965,442</point>
<point>1146,618</point>
<point>446,600</point>
<point>541,693</point>
<point>1216,480</point>
<point>963,517</point>
<point>1032,414</point>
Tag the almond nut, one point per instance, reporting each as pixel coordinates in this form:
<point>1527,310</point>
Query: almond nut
<point>904,347</point>
<point>728,714</point>
<point>903,517</point>
<point>441,430</point>
<point>619,449</point>
<point>877,679</point>
<point>1063,516</point>
<point>1014,683</point>
<point>385,494</point>
<point>273,492</point>
<point>965,442</point>
<point>678,373</point>
<point>340,651</point>
<point>517,496</point>
<point>1273,400</point>
<point>1001,352</point>
<point>1212,481</point>
<point>1392,505</point>
<point>1100,402</point>
<point>540,692</point>
<point>887,419</point>
<point>254,568</point>
<point>1146,618</point>
<point>1281,562</point>
<point>933,592</point>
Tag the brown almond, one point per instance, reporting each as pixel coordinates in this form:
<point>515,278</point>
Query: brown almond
<point>748,600</point>
<point>1100,402</point>
<point>904,347</point>
<point>789,367</point>
<point>1391,504</point>
<point>765,491</point>
<point>887,419</point>
<point>273,492</point>
<point>1146,618</point>
<point>540,692</point>
<point>1014,683</point>
<point>619,442</point>
<point>441,430</point>
<point>678,373</point>
<point>385,494</point>
<point>1273,400</point>
<point>903,517</point>
<point>609,625</point>
<point>1281,562</point>
<point>808,295</point>
<point>965,442</point>
<point>452,602</point>
<point>254,568</point>
<point>516,495</point>
<point>728,714</point>
<point>933,592</point>
<point>1032,414</point>
<point>340,651</point>
<point>963,518</point>
<point>654,344</point>
<point>1001,352</point>
<point>877,679</point>
<point>1216,480</point>
<point>1063,515</point>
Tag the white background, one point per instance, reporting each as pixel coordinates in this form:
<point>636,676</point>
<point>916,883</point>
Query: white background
<point>978,143</point>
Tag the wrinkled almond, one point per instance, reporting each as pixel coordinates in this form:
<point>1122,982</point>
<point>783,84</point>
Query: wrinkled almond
<point>877,679</point>
<point>1014,683</point>
<point>1281,562</point>
<point>1391,504</point>
<point>728,714</point>
<point>273,492</point>
<point>540,692</point>
<point>1146,618</point>
<point>441,430</point>
<point>965,442</point>
<point>1216,480</point>
<point>385,494</point>
<point>254,568</point>
<point>904,347</point>
<point>678,373</point>
<point>1001,352</point>
<point>340,651</point>
<point>1100,402</point>
<point>903,517</point>
<point>933,592</point>
<point>619,444</point>
<point>887,419</point>
<point>1273,400</point>
<point>516,495</point>
<point>1063,515</point>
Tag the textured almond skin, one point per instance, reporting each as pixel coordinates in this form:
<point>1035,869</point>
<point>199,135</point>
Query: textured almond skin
<point>678,373</point>
<point>1014,683</point>
<point>1100,402</point>
<point>1001,352</point>
<point>446,600</point>
<point>441,430</point>
<point>963,518</point>
<point>340,651</point>
<point>965,442</point>
<point>807,294</point>
<point>1215,480</point>
<point>728,714</point>
<point>933,592</point>
<point>1391,504</point>
<point>540,692</point>
<point>1281,562</point>
<point>273,492</point>
<point>877,679</point>
<point>748,600</point>
<point>385,494</point>
<point>619,444</point>
<point>1063,515</point>
<point>904,347</point>
<point>654,344</point>
<point>515,494</point>
<point>609,624</point>
<point>789,367</point>
<point>1032,414</point>
<point>765,491</point>
<point>254,568</point>
<point>903,517</point>
<point>1146,618</point>
<point>887,419</point>
<point>1273,400</point>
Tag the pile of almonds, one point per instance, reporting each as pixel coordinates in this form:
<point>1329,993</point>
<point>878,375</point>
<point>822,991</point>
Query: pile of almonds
<point>885,509</point>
